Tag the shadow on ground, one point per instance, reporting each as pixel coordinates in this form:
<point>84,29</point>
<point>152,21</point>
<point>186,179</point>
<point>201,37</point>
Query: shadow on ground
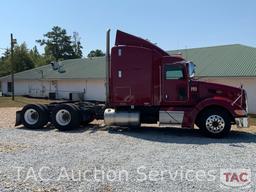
<point>164,135</point>
<point>90,127</point>
<point>184,136</point>
<point>44,129</point>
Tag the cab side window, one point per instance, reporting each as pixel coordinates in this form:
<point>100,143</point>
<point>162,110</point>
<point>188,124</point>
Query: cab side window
<point>173,72</point>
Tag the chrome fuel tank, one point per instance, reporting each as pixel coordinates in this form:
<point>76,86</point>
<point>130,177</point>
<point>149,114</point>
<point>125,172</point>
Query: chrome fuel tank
<point>122,118</point>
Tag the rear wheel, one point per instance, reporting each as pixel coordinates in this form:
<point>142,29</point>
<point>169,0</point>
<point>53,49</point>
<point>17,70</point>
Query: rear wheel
<point>215,123</point>
<point>66,117</point>
<point>34,116</point>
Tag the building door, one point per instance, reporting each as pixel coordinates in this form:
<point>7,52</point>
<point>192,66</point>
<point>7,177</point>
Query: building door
<point>54,90</point>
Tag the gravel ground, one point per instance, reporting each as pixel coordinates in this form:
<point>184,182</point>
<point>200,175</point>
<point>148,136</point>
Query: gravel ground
<point>103,159</point>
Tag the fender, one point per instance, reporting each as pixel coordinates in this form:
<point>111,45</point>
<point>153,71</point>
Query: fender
<point>213,101</point>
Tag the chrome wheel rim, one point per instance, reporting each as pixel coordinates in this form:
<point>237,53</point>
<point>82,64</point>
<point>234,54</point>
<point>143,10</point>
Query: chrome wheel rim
<point>215,124</point>
<point>31,116</point>
<point>63,117</point>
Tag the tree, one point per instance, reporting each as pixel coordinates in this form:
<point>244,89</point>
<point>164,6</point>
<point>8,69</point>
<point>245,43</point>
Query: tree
<point>6,54</point>
<point>96,53</point>
<point>35,56</point>
<point>59,45</point>
<point>21,60</point>
<point>5,67</point>
<point>39,59</point>
<point>77,46</point>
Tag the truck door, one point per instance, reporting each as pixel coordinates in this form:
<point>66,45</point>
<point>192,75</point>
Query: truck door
<point>174,84</point>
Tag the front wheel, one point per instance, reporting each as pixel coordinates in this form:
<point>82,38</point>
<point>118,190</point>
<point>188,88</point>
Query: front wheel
<point>215,123</point>
<point>66,117</point>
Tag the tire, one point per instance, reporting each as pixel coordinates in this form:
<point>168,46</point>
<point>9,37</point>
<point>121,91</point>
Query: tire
<point>44,106</point>
<point>88,117</point>
<point>66,117</point>
<point>34,116</point>
<point>215,123</point>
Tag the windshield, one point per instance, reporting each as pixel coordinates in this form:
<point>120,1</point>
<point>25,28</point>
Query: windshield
<point>192,69</point>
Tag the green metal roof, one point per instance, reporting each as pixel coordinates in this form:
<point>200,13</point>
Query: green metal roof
<point>222,61</point>
<point>93,68</point>
<point>218,61</point>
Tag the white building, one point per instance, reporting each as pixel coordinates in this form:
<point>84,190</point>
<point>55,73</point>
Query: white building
<point>85,77</point>
<point>230,64</point>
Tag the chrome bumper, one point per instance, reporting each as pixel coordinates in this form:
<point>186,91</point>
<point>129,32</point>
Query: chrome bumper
<point>242,122</point>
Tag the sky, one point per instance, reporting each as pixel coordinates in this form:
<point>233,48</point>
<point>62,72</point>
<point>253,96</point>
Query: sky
<point>172,24</point>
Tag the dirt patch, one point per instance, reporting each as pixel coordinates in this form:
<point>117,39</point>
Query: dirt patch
<point>251,129</point>
<point>8,115</point>
<point>9,147</point>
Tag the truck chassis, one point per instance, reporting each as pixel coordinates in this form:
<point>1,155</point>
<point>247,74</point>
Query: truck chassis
<point>63,115</point>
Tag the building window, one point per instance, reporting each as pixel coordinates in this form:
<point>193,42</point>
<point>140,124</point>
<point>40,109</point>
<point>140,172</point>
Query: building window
<point>9,87</point>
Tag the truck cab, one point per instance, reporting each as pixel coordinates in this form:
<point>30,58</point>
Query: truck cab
<point>147,85</point>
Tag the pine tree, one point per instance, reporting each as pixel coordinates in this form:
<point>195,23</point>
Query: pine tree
<point>59,45</point>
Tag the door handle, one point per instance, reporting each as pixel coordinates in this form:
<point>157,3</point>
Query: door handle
<point>166,96</point>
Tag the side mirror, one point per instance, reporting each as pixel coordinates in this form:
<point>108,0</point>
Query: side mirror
<point>191,69</point>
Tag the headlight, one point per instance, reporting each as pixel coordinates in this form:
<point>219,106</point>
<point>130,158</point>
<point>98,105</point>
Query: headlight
<point>241,112</point>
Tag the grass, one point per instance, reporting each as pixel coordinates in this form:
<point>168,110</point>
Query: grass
<point>20,101</point>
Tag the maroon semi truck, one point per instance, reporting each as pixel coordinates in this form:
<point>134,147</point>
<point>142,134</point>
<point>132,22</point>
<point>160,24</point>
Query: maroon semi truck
<point>144,84</point>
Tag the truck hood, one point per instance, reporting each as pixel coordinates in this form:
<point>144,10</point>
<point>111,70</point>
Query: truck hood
<point>207,89</point>
<point>218,86</point>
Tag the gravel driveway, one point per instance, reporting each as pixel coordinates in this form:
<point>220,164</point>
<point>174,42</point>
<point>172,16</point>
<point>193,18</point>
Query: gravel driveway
<point>103,159</point>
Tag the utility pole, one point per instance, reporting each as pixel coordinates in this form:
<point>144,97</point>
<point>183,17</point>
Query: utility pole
<point>13,42</point>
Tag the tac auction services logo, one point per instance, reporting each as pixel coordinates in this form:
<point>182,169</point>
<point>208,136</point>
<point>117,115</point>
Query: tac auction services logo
<point>235,178</point>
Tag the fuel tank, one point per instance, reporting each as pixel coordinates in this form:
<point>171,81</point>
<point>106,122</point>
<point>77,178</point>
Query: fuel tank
<point>121,118</point>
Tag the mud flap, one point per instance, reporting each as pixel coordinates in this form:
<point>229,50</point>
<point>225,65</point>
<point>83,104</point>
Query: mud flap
<point>18,118</point>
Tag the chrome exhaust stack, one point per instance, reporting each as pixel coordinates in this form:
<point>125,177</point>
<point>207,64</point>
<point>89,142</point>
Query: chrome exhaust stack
<point>107,66</point>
